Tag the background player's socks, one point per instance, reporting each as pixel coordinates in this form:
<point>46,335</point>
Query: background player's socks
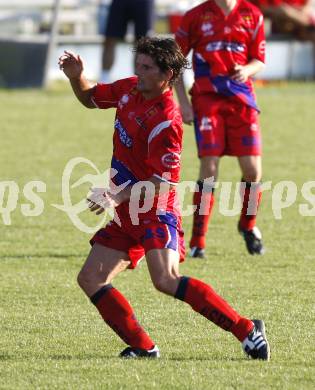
<point>203,199</point>
<point>204,300</point>
<point>251,200</point>
<point>118,314</point>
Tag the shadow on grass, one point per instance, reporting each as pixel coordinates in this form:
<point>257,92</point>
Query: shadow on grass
<point>90,356</point>
<point>174,358</point>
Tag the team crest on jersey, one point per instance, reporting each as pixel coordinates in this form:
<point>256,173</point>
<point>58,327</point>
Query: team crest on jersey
<point>125,139</point>
<point>248,19</point>
<point>171,160</point>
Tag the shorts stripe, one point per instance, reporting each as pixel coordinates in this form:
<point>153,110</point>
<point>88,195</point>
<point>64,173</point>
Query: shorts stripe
<point>172,240</point>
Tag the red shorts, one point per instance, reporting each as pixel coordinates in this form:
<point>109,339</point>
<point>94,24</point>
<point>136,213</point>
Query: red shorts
<point>225,127</point>
<point>136,240</point>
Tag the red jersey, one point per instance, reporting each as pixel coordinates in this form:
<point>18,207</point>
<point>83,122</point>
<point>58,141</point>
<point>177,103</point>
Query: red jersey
<point>219,42</point>
<point>148,135</point>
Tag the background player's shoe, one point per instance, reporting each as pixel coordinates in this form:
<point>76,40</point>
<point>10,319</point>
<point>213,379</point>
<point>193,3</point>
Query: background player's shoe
<point>197,252</point>
<point>134,353</point>
<point>256,345</point>
<point>253,240</point>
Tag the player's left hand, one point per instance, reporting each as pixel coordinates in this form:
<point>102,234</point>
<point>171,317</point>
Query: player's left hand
<point>102,199</point>
<point>240,73</point>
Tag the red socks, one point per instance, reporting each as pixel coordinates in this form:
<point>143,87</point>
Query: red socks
<point>204,300</point>
<point>251,196</point>
<point>118,314</point>
<point>204,202</point>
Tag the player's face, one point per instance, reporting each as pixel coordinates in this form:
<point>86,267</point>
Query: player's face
<point>151,81</point>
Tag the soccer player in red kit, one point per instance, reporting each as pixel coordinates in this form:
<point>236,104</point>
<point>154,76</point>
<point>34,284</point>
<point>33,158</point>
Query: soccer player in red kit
<point>147,146</point>
<point>228,44</point>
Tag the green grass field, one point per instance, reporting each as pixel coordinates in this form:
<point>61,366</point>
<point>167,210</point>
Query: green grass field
<point>53,338</point>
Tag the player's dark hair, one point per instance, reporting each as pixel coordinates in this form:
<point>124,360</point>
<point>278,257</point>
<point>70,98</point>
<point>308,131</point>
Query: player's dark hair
<point>165,53</point>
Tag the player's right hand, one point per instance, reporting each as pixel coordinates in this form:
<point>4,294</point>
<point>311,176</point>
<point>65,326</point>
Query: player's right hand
<point>71,64</point>
<point>187,113</point>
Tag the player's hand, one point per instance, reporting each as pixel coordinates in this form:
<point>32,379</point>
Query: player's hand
<point>71,64</point>
<point>187,113</point>
<point>240,73</point>
<point>101,199</point>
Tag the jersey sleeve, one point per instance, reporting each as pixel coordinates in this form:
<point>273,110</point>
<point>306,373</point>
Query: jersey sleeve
<point>164,150</point>
<point>108,95</point>
<point>183,35</point>
<point>257,46</point>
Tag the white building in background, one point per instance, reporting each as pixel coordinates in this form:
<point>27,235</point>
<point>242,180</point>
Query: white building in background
<point>26,20</point>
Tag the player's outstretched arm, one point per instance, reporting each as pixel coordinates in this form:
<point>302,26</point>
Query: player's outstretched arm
<point>72,66</point>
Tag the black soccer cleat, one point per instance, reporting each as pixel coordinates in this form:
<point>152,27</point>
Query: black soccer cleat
<point>135,353</point>
<point>256,345</point>
<point>197,252</point>
<point>253,240</point>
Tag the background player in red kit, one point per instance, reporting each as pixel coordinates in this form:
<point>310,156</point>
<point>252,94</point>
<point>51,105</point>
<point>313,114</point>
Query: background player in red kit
<point>228,43</point>
<point>147,146</point>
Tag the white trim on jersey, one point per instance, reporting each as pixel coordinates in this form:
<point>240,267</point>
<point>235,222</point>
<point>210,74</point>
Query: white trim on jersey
<point>103,101</point>
<point>93,101</point>
<point>260,22</point>
<point>163,179</point>
<point>158,129</point>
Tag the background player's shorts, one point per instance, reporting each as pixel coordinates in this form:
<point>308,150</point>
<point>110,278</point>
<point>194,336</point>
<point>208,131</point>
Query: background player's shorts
<point>224,126</point>
<point>121,12</point>
<point>137,240</point>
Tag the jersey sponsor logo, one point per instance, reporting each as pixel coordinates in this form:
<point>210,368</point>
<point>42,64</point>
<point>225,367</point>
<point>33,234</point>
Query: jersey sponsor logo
<point>171,160</point>
<point>227,46</point>
<point>123,135</point>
